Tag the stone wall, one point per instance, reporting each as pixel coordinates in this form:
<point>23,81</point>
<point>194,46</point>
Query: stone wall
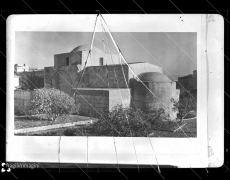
<point>158,95</point>
<point>60,59</point>
<point>50,81</point>
<point>185,83</point>
<point>107,76</point>
<point>111,76</point>
<point>21,99</point>
<point>97,102</point>
<point>68,77</point>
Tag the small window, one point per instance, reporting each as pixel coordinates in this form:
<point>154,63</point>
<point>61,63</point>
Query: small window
<point>67,61</point>
<point>101,61</point>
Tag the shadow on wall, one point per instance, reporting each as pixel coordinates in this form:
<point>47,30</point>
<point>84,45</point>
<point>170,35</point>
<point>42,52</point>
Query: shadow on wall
<point>154,93</point>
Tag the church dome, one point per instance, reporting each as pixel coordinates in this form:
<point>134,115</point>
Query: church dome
<point>86,47</point>
<point>154,77</point>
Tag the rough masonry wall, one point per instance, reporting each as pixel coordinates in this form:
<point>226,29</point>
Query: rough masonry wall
<point>185,84</point>
<point>102,101</point>
<point>75,57</point>
<point>159,97</point>
<point>94,76</point>
<point>99,100</point>
<point>60,59</point>
<point>21,100</point>
<point>107,76</point>
<point>49,73</point>
<point>70,78</point>
<point>64,78</point>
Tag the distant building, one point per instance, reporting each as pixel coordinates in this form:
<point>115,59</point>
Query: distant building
<point>20,68</point>
<point>188,82</point>
<point>16,81</point>
<point>38,72</point>
<point>24,68</point>
<point>23,75</point>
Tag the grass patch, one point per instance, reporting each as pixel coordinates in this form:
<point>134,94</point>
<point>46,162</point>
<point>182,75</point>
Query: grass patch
<point>189,130</point>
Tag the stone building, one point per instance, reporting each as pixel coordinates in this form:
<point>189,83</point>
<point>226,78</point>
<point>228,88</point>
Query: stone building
<point>188,82</point>
<point>21,100</point>
<point>16,81</point>
<point>37,72</point>
<point>78,56</point>
<point>20,68</point>
<point>155,91</point>
<point>105,82</point>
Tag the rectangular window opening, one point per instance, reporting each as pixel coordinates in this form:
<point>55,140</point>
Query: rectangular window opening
<point>67,61</point>
<point>101,61</point>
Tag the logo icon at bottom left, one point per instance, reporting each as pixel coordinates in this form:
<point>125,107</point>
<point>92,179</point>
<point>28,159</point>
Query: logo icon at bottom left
<point>5,168</point>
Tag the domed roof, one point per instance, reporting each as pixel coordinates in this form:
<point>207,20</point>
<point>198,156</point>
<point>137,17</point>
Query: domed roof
<point>85,47</point>
<point>154,77</point>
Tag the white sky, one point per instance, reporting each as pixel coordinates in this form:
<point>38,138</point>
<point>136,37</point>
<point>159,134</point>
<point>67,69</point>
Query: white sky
<point>36,43</point>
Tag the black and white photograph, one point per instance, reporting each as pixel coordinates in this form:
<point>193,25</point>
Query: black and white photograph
<point>127,88</point>
<point>105,83</point>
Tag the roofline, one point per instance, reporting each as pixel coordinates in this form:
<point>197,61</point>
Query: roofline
<point>62,53</point>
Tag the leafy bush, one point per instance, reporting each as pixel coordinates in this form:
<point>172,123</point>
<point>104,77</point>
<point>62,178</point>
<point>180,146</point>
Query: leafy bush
<point>53,103</point>
<point>155,118</point>
<point>72,132</point>
<point>126,123</point>
<point>186,104</point>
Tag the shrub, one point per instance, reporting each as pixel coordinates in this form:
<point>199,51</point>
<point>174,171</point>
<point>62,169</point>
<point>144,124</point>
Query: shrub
<point>72,132</point>
<point>126,123</point>
<point>155,118</point>
<point>53,103</point>
<point>186,104</point>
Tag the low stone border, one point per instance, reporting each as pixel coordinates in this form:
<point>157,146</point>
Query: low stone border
<point>189,119</point>
<point>55,126</point>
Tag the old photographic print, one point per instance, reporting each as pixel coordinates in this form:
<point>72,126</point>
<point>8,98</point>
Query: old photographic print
<point>103,83</point>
